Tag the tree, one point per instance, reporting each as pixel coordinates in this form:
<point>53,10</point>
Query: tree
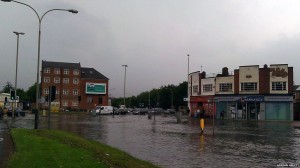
<point>7,87</point>
<point>158,97</point>
<point>31,93</point>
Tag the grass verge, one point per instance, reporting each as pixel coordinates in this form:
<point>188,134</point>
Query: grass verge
<point>53,148</point>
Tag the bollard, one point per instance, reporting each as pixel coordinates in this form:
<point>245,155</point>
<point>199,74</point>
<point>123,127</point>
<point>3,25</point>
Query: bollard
<point>202,124</point>
<point>44,113</point>
<point>149,115</point>
<point>178,116</point>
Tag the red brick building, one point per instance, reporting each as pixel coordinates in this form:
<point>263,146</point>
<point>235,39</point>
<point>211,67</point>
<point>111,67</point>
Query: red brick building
<point>76,87</point>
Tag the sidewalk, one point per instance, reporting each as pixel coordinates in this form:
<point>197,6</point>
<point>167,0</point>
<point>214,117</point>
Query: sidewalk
<point>6,143</point>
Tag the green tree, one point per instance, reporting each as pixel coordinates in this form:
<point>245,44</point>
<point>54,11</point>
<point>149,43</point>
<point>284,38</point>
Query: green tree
<point>31,93</point>
<point>22,95</point>
<point>7,87</point>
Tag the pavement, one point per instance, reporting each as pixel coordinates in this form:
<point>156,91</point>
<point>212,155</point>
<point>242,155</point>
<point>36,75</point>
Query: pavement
<point>6,143</point>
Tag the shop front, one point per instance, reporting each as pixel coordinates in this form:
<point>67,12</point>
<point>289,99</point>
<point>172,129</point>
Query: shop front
<point>239,107</point>
<point>201,103</point>
<point>279,108</point>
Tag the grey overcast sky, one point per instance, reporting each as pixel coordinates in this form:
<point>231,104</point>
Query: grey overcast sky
<point>153,37</point>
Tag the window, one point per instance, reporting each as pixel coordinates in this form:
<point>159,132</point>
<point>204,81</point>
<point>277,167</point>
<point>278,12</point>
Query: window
<point>195,89</point>
<point>65,80</point>
<point>100,100</point>
<point>46,70</point>
<point>225,87</point>
<point>65,92</point>
<point>74,103</point>
<point>66,71</point>
<point>65,103</point>
<point>46,91</point>
<point>57,92</point>
<point>207,88</point>
<point>251,86</point>
<point>46,79</point>
<point>75,92</point>
<point>89,99</point>
<point>56,80</point>
<point>278,86</point>
<point>75,81</point>
<point>56,71</point>
<point>76,72</point>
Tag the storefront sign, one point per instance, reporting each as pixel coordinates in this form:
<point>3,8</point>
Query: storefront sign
<point>253,98</point>
<point>279,98</point>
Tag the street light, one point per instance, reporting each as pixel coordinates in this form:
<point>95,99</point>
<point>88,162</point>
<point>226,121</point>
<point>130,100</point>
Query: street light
<point>125,66</point>
<point>188,72</point>
<point>16,77</point>
<point>39,48</point>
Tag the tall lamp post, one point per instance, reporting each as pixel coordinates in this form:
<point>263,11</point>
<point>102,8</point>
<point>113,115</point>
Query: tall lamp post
<point>125,66</point>
<point>39,49</point>
<point>16,77</point>
<point>188,72</point>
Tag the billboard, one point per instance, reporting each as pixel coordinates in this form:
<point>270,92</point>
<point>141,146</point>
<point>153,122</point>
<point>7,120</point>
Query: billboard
<point>95,88</point>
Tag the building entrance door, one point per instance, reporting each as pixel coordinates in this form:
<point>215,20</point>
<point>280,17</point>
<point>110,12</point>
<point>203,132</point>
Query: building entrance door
<point>252,110</point>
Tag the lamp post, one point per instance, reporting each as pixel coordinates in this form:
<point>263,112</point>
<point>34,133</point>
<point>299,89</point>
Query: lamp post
<point>16,77</point>
<point>125,66</point>
<point>39,49</point>
<point>188,98</point>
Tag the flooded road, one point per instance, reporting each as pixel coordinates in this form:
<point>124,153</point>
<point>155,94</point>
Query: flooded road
<point>169,144</point>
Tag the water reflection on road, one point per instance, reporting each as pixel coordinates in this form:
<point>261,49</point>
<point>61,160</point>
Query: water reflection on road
<point>169,144</point>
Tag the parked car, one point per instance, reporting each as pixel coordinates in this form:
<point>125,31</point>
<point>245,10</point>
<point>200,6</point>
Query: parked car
<point>169,111</point>
<point>106,110</point>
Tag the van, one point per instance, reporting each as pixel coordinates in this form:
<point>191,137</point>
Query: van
<point>106,110</point>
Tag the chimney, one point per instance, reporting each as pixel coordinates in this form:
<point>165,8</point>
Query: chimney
<point>203,74</point>
<point>225,71</point>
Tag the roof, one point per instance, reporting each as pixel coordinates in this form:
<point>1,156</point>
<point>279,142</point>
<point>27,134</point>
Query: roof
<point>49,64</point>
<point>91,73</point>
<point>296,87</point>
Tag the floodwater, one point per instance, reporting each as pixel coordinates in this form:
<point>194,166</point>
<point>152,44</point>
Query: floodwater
<point>169,144</point>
